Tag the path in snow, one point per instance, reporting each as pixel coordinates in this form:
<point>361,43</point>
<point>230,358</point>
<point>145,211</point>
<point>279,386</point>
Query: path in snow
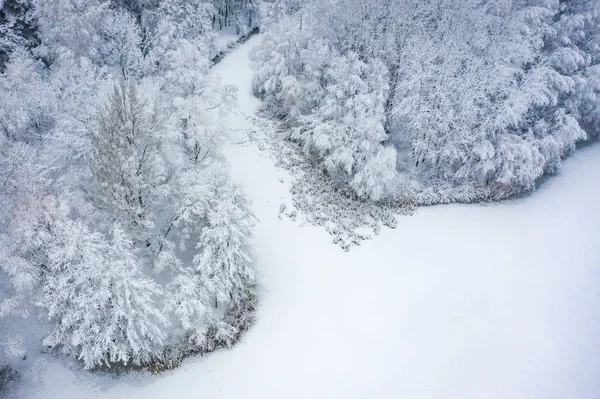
<point>459,301</point>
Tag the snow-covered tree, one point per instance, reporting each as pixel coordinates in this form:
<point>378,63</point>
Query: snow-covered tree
<point>77,85</point>
<point>242,14</point>
<point>225,259</point>
<point>102,308</point>
<point>573,50</point>
<point>200,101</point>
<point>71,26</point>
<point>214,297</point>
<point>17,27</point>
<point>272,11</point>
<point>122,45</point>
<point>26,214</point>
<point>130,172</point>
<point>27,99</point>
<point>99,304</point>
<point>176,20</point>
<point>333,103</point>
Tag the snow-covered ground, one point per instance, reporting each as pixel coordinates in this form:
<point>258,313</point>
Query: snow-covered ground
<point>226,37</point>
<point>459,301</point>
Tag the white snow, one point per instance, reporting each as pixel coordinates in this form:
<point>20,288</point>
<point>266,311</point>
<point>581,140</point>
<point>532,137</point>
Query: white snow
<point>459,301</point>
<point>226,37</point>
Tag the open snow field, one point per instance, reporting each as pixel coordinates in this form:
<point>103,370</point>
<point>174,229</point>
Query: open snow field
<point>459,301</point>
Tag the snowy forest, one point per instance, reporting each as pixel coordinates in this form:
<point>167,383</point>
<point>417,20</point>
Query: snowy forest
<point>125,242</point>
<point>440,101</point>
<point>119,223</point>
